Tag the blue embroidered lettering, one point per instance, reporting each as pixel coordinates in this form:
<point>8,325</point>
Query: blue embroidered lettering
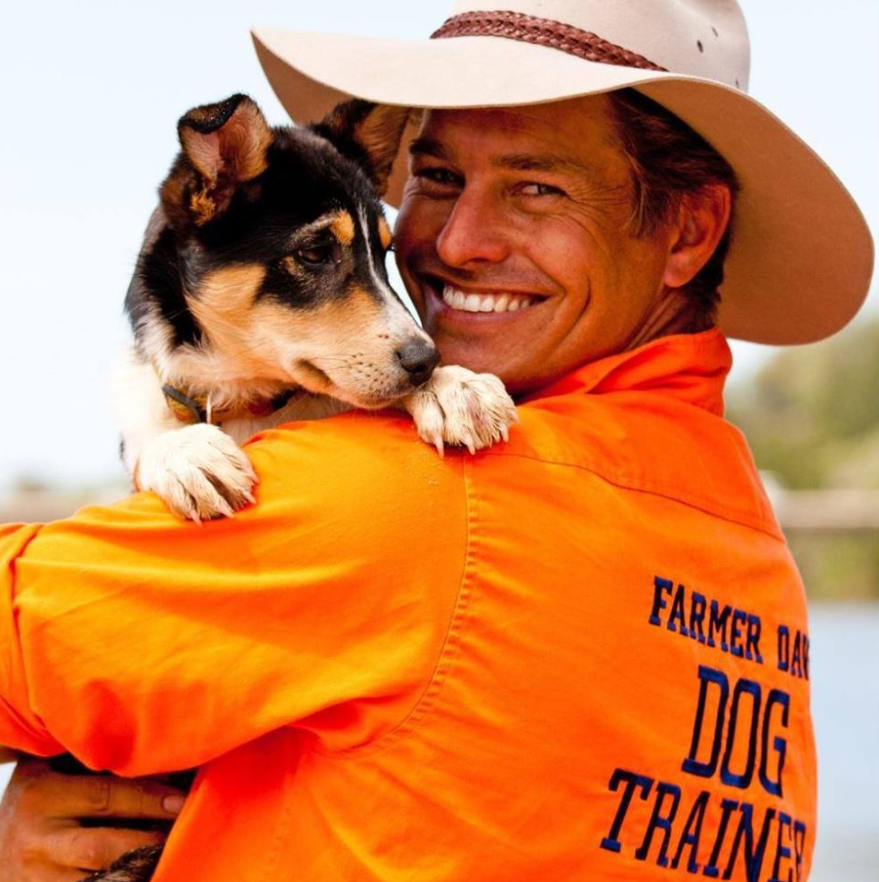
<point>691,834</point>
<point>736,846</point>
<point>698,604</point>
<point>782,699</point>
<point>727,807</point>
<point>661,822</point>
<point>676,614</point>
<point>717,624</point>
<point>799,846</point>
<point>660,587</point>
<point>753,856</point>
<point>752,649</point>
<point>783,648</point>
<point>782,851</point>
<point>793,652</point>
<point>691,614</point>
<point>742,687</point>
<point>691,764</point>
<point>739,617</point>
<point>612,841</point>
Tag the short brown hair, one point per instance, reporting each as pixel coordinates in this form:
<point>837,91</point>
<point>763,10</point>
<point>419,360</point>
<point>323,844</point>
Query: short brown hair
<point>670,160</point>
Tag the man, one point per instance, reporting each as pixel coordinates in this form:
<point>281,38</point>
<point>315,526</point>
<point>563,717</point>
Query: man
<point>582,655</point>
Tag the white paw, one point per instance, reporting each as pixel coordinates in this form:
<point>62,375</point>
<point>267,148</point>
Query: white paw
<point>198,471</point>
<point>461,408</point>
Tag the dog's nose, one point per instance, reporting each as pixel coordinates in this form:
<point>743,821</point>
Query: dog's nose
<point>418,358</point>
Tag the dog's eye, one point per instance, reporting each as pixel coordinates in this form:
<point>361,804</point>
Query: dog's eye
<point>317,255</point>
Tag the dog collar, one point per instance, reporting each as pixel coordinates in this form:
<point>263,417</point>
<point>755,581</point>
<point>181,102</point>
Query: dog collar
<point>194,409</point>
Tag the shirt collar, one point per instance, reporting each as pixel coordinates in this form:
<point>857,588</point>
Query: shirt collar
<point>690,367</point>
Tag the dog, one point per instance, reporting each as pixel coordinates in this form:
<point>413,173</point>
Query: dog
<point>260,295</point>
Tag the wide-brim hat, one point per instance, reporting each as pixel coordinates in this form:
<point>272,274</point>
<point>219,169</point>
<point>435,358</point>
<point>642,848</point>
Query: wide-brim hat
<point>801,258</point>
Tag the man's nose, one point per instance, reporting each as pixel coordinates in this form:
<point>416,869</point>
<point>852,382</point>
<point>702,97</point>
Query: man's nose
<point>474,231</point>
<point>418,357</point>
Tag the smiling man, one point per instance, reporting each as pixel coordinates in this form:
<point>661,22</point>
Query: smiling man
<point>517,236</point>
<point>558,659</point>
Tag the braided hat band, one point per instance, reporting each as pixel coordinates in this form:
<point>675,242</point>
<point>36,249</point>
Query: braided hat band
<point>542,32</point>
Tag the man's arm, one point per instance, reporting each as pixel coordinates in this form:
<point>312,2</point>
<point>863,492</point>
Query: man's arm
<point>325,606</point>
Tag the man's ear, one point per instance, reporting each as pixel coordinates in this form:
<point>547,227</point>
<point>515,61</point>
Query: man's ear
<point>224,145</point>
<point>703,218</point>
<point>367,133</point>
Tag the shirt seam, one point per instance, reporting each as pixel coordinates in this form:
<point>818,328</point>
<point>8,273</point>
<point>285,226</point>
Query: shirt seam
<point>708,505</point>
<point>445,657</point>
<point>42,734</point>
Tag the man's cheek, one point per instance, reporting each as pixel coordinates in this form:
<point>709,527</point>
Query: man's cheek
<point>413,289</point>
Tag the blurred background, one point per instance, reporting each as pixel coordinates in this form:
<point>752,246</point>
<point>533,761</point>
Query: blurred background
<point>93,92</point>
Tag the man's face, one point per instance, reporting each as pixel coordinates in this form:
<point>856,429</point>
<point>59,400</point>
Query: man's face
<point>513,240</point>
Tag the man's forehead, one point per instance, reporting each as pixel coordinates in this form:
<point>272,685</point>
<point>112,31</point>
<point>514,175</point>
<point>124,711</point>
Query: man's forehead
<point>527,136</point>
<point>561,115</point>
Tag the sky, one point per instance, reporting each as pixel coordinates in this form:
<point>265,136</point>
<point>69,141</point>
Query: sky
<point>93,92</point>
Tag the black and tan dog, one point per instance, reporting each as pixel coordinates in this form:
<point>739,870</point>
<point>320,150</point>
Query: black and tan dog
<point>261,296</point>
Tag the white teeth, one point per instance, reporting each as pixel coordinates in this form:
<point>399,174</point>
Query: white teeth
<point>502,302</point>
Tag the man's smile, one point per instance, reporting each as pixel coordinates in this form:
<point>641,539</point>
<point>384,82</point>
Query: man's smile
<point>453,302</point>
<point>499,301</point>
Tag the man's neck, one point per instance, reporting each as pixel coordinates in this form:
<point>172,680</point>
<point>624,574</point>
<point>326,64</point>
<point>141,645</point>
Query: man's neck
<point>674,313</point>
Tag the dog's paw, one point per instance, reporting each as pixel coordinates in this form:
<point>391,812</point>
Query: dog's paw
<point>198,471</point>
<point>461,408</point>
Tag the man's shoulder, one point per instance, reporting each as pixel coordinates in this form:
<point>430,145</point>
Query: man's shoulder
<point>368,465</point>
<point>648,441</point>
<point>349,444</point>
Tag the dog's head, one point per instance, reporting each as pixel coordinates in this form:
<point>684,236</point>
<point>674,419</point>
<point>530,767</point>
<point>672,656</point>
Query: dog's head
<point>264,263</point>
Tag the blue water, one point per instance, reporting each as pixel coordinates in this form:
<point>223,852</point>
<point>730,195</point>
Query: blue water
<point>845,708</point>
<point>845,705</point>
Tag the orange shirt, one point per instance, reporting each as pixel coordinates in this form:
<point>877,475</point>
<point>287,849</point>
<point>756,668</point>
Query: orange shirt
<point>582,655</point>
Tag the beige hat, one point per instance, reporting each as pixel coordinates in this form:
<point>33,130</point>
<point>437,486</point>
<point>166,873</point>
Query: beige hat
<point>802,256</point>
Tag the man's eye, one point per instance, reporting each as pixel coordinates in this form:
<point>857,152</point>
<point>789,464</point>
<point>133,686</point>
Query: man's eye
<point>437,175</point>
<point>533,188</point>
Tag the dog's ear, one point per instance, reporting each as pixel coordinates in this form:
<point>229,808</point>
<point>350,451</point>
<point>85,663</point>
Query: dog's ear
<point>367,133</point>
<point>224,145</point>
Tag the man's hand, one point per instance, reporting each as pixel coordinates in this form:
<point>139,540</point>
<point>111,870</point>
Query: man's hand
<point>51,823</point>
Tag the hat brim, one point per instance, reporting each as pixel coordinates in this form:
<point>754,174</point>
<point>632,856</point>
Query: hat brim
<point>802,256</point>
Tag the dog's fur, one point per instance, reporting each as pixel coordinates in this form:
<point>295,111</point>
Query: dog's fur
<point>134,866</point>
<point>261,296</point>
